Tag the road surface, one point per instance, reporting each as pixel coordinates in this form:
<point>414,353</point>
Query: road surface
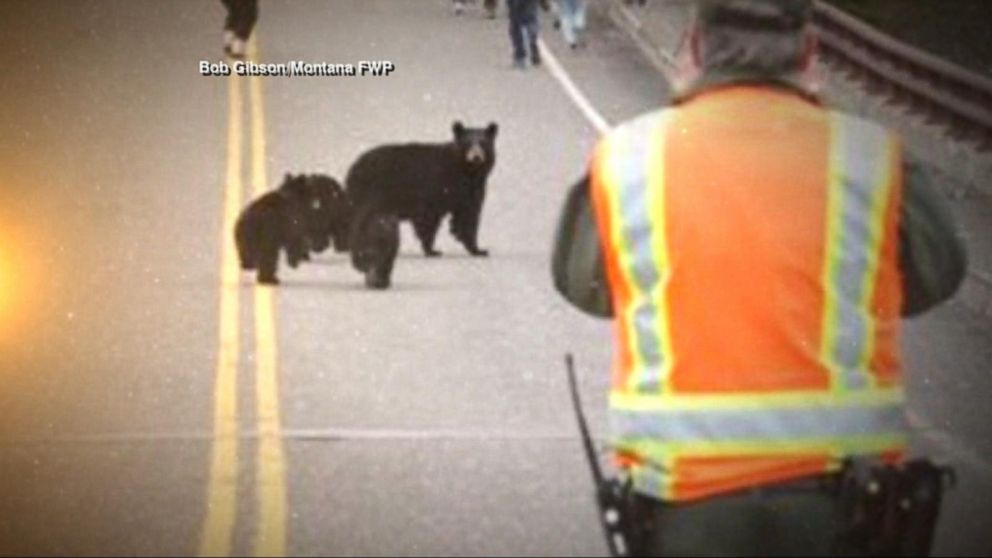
<point>154,401</point>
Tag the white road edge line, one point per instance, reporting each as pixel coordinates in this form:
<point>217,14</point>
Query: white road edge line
<point>578,97</point>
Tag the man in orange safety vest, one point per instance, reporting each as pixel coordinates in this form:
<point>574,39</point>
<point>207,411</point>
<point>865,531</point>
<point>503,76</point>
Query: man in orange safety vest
<point>756,251</point>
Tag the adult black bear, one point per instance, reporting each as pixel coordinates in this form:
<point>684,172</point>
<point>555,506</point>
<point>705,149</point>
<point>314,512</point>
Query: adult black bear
<point>375,249</point>
<point>425,182</point>
<point>284,219</point>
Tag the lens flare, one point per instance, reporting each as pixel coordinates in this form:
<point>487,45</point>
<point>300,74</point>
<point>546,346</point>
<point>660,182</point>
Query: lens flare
<point>6,290</point>
<point>14,271</point>
<point>3,281</point>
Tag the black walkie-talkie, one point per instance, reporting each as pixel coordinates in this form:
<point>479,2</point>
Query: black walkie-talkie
<point>609,492</point>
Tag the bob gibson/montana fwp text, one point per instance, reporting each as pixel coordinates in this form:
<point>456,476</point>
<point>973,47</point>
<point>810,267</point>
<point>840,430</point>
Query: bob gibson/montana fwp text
<point>297,68</point>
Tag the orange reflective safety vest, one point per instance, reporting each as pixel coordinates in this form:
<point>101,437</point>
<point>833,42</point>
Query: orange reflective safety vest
<point>750,241</point>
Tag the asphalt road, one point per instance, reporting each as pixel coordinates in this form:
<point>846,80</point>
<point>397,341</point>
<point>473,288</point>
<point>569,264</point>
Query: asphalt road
<point>156,402</point>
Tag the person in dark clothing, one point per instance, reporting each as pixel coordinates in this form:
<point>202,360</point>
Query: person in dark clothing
<point>523,31</point>
<point>241,18</point>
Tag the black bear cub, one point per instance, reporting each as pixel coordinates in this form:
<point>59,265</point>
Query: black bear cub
<point>426,182</point>
<point>294,217</point>
<point>375,252</point>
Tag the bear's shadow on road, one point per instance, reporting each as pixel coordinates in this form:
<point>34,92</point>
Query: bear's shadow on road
<point>338,260</point>
<point>492,257</point>
<point>354,283</point>
<point>345,259</point>
<point>329,261</point>
<point>357,286</point>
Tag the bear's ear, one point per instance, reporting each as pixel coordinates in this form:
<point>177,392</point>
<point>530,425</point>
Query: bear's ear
<point>458,129</point>
<point>491,130</point>
<point>287,178</point>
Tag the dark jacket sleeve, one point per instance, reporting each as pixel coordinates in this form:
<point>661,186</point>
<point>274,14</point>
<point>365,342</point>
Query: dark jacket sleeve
<point>577,265</point>
<point>932,254</point>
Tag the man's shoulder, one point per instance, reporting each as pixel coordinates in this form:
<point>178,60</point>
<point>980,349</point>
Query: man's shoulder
<point>861,124</point>
<point>639,125</point>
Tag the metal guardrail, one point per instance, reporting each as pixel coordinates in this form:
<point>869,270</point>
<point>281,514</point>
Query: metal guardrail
<point>938,90</point>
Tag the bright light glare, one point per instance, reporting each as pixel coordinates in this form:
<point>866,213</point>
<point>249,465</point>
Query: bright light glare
<point>4,283</point>
<point>25,286</point>
<point>6,295</point>
<point>11,295</point>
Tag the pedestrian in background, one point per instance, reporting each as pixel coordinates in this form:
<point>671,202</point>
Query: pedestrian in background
<point>572,15</point>
<point>241,18</point>
<point>524,28</point>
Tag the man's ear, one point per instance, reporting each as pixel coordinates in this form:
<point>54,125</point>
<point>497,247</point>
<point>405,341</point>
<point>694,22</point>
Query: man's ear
<point>458,129</point>
<point>696,46</point>
<point>810,47</point>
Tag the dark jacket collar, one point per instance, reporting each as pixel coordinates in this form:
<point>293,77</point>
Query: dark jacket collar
<point>720,79</point>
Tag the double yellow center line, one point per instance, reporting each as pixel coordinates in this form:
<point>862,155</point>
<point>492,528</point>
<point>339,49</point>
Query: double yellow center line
<point>270,476</point>
<point>270,466</point>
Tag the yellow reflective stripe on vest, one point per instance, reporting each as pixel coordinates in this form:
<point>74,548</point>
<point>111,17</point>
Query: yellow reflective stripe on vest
<point>634,179</point>
<point>838,420</point>
<point>655,473</point>
<point>652,480</point>
<point>662,428</point>
<point>859,185</point>
<point>662,454</point>
<point>757,401</point>
<point>657,206</point>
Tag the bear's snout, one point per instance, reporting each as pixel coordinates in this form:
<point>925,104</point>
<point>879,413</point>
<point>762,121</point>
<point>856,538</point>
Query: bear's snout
<point>476,155</point>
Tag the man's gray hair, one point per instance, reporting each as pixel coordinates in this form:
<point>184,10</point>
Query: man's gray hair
<point>761,37</point>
